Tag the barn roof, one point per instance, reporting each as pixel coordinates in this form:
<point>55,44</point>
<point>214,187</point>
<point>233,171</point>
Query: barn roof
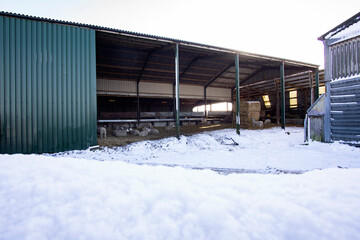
<point>142,57</point>
<point>341,27</point>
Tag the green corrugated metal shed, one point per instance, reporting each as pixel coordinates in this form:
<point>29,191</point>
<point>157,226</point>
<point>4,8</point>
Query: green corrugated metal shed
<point>47,86</point>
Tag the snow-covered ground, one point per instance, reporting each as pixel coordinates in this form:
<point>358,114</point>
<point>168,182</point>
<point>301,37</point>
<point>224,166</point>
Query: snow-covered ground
<point>270,150</point>
<point>65,197</point>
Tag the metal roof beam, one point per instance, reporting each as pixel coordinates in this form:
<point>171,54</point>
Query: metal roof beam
<point>198,58</point>
<point>144,65</point>
<point>161,49</point>
<point>188,66</point>
<point>267,73</point>
<point>219,74</point>
<point>258,72</point>
<point>164,48</point>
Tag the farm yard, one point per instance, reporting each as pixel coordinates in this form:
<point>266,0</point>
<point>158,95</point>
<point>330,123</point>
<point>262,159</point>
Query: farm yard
<point>162,132</point>
<point>107,133</point>
<point>212,185</point>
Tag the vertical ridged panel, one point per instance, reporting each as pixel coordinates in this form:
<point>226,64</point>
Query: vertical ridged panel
<point>47,87</point>
<point>7,133</point>
<point>50,91</point>
<point>29,93</point>
<point>33,79</point>
<point>12,83</point>
<point>23,86</point>
<point>345,58</point>
<point>92,92</point>
<point>2,89</point>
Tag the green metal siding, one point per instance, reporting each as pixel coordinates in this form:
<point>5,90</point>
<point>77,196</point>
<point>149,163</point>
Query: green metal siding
<point>47,87</point>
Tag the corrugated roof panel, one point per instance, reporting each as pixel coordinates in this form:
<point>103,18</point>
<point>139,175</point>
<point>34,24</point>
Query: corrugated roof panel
<point>185,44</point>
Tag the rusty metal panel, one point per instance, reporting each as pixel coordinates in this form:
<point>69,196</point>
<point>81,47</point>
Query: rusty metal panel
<point>47,87</point>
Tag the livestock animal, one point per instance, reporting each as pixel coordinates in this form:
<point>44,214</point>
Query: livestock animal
<point>257,124</point>
<point>102,132</point>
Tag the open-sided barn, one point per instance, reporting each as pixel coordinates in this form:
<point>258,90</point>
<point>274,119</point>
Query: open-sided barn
<point>57,79</point>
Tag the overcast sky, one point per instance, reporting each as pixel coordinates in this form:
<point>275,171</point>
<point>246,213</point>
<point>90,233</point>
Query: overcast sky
<point>287,29</point>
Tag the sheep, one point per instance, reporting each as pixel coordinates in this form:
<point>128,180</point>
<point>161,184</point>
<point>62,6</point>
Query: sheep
<point>267,121</point>
<point>257,124</point>
<point>102,132</point>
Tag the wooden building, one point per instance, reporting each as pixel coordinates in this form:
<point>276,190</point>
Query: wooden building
<point>342,76</point>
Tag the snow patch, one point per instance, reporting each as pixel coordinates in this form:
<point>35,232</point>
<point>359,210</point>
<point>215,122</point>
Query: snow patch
<point>269,150</point>
<point>43,197</point>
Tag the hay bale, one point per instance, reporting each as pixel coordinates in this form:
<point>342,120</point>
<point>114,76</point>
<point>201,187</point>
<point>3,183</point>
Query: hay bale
<point>249,115</point>
<point>248,106</point>
<point>248,110</point>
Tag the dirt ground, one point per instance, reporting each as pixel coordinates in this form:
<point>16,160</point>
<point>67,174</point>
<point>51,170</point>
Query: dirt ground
<point>112,141</point>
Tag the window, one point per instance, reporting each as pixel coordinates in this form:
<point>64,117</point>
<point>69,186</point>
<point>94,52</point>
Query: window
<point>293,99</point>
<point>219,106</point>
<point>266,101</point>
<point>222,107</point>
<point>322,90</point>
<point>201,108</point>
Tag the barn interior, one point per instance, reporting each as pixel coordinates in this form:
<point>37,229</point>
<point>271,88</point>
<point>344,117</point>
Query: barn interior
<point>300,94</point>
<point>136,79</point>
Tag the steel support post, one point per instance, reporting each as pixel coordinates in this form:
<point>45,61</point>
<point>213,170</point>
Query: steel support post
<point>277,102</point>
<point>232,96</point>
<point>311,89</point>
<point>137,101</point>
<point>316,84</point>
<point>237,81</point>
<point>205,102</point>
<point>282,86</point>
<point>174,103</point>
<point>177,90</point>
<point>328,77</point>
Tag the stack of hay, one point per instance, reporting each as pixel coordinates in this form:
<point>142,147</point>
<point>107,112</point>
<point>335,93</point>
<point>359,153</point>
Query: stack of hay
<point>248,110</point>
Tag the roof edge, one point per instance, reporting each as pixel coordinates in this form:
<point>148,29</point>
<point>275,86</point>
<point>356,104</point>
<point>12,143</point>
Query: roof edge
<point>341,26</point>
<point>159,38</point>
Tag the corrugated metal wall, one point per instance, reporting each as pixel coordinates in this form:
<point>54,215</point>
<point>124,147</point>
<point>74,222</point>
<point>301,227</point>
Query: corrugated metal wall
<point>345,110</point>
<point>345,90</point>
<point>47,87</point>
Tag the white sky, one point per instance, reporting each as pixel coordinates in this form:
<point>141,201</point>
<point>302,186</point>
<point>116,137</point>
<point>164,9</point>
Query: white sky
<point>287,29</point>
